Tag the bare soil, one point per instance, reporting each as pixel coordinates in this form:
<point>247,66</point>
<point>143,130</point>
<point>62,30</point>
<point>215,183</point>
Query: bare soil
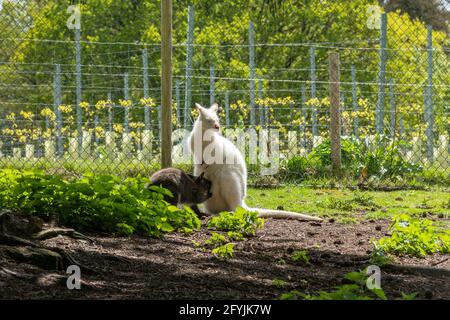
<point>173,268</point>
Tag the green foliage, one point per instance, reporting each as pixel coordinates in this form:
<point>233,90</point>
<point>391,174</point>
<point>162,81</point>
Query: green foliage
<point>364,199</point>
<point>236,236</point>
<point>379,258</point>
<point>379,158</point>
<point>95,202</point>
<point>279,283</point>
<point>242,221</point>
<point>338,204</point>
<point>415,237</point>
<point>216,240</point>
<point>291,295</point>
<point>225,251</point>
<point>411,296</point>
<point>300,256</point>
<point>355,291</point>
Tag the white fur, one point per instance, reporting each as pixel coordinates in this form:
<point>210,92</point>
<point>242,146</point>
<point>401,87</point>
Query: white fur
<point>227,173</point>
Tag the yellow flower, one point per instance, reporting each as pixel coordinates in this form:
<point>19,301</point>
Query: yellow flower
<point>11,116</point>
<point>47,134</point>
<point>99,131</point>
<point>26,115</point>
<point>125,103</point>
<point>117,127</point>
<point>84,105</point>
<point>147,102</point>
<point>48,113</point>
<point>136,125</point>
<point>102,104</point>
<point>65,108</point>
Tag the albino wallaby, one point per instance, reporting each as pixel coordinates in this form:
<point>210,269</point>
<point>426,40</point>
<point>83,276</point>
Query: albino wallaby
<point>185,188</point>
<point>224,165</point>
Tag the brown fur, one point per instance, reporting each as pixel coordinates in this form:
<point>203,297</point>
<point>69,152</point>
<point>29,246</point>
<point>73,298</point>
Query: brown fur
<point>186,189</point>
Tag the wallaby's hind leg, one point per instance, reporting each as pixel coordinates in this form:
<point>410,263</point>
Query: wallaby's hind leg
<point>232,193</point>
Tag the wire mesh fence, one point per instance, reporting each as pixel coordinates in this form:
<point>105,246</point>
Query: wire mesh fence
<point>87,99</point>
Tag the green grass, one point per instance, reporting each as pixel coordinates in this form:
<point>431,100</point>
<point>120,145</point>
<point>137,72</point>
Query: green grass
<point>346,204</point>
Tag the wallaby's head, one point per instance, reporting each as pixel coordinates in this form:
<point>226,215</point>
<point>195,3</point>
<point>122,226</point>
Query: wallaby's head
<point>201,189</point>
<point>208,117</point>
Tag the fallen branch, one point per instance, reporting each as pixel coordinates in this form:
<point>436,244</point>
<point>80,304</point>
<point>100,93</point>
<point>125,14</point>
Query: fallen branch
<point>54,232</point>
<point>416,269</point>
<point>439,262</point>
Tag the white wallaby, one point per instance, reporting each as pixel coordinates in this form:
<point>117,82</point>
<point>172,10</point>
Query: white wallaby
<point>225,167</point>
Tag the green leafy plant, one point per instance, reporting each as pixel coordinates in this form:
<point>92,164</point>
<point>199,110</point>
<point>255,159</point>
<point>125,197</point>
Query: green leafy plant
<point>242,221</point>
<point>378,158</point>
<point>216,240</point>
<point>415,237</point>
<point>279,283</point>
<point>354,291</point>
<point>236,236</point>
<point>225,251</point>
<point>364,199</point>
<point>300,256</point>
<point>410,296</point>
<point>338,204</point>
<point>95,202</point>
<point>379,258</point>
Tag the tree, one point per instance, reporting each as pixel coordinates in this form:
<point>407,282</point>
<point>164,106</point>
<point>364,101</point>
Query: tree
<point>434,12</point>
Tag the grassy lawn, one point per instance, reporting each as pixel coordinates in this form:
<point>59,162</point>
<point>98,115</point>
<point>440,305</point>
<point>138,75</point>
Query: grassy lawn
<point>347,205</point>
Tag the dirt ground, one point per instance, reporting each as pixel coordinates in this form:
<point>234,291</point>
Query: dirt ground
<point>172,268</point>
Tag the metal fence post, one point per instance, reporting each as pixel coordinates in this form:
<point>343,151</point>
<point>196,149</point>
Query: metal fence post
<point>212,98</point>
<point>355,103</point>
<point>126,95</point>
<point>381,76</point>
<point>251,40</point>
<point>227,109</point>
<point>57,103</point>
<point>79,89</point>
<point>335,123</point>
<point>429,96</point>
<point>393,108</point>
<point>110,112</point>
<point>341,110</point>
<point>146,93</point>
<point>303,115</point>
<point>260,107</point>
<point>188,78</point>
<point>312,77</point>
<point>177,100</point>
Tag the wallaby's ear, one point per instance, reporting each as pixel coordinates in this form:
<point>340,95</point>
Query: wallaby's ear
<point>194,178</point>
<point>214,107</point>
<point>200,177</point>
<point>200,109</point>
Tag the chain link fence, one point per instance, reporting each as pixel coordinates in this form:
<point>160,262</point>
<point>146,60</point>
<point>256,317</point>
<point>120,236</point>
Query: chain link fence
<point>87,99</point>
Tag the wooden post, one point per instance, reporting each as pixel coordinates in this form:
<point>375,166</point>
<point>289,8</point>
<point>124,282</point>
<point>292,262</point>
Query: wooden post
<point>166,83</point>
<point>335,124</point>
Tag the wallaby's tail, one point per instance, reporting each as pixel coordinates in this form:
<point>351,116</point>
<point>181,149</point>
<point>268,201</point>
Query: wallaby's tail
<point>280,214</point>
